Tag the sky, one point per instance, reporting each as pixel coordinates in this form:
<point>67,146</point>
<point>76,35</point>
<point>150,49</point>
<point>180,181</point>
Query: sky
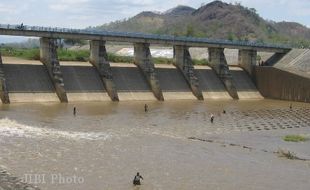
<point>84,13</point>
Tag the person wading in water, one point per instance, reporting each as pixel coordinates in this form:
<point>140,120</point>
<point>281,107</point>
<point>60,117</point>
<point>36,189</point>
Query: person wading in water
<point>212,118</point>
<point>137,178</point>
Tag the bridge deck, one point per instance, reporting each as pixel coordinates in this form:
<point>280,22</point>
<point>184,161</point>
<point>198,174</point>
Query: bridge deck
<point>86,34</point>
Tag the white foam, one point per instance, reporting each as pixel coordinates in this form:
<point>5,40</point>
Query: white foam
<point>11,128</point>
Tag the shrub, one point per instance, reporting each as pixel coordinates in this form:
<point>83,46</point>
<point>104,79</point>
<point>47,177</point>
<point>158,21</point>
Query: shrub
<point>295,138</point>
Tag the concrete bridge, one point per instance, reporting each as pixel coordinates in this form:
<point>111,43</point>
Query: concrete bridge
<point>142,58</point>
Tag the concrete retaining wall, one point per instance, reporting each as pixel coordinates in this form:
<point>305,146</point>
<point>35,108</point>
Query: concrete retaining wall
<point>3,89</point>
<point>278,84</point>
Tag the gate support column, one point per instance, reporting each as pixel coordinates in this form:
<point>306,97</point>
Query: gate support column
<point>218,63</point>
<point>48,56</point>
<point>183,62</point>
<point>4,95</point>
<point>143,61</point>
<point>247,60</point>
<point>99,59</point>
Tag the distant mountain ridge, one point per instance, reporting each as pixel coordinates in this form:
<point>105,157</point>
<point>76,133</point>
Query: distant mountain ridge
<point>217,20</point>
<point>180,10</point>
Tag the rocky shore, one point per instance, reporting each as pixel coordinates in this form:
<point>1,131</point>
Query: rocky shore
<point>9,182</point>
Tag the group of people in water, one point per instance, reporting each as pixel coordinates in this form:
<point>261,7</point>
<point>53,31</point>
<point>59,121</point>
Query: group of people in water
<point>146,109</point>
<point>137,179</point>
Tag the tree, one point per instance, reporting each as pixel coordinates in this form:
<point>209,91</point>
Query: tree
<point>75,42</point>
<point>189,30</point>
<point>253,10</point>
<point>231,36</point>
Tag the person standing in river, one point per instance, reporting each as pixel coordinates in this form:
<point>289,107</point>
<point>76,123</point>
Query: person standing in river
<point>211,118</point>
<point>146,108</point>
<point>137,179</point>
<point>74,111</point>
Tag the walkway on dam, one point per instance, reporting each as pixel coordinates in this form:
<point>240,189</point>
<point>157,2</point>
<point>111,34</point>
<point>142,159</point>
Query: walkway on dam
<point>28,81</point>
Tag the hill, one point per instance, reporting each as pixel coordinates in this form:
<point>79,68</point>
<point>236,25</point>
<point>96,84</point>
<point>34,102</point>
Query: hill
<point>215,20</point>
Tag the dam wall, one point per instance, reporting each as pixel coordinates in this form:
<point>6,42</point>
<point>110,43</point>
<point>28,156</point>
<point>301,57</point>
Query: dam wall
<point>29,81</point>
<point>211,86</point>
<point>173,84</point>
<point>280,84</point>
<point>130,83</point>
<point>288,79</point>
<point>83,83</point>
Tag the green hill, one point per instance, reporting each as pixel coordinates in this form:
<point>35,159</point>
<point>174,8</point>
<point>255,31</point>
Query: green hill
<point>217,20</point>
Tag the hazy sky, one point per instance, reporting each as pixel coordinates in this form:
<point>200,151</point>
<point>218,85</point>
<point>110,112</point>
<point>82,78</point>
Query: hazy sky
<point>83,13</point>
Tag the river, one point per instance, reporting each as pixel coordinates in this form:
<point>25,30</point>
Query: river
<point>173,145</point>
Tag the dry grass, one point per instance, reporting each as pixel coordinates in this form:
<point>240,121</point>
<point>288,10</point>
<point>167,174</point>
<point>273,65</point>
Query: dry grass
<point>288,154</point>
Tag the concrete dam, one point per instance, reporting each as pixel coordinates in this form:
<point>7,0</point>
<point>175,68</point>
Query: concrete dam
<point>99,80</point>
<point>28,81</point>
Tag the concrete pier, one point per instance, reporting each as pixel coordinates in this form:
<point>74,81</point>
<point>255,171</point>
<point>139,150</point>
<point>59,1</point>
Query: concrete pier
<point>99,59</point>
<point>4,95</point>
<point>247,60</point>
<point>48,56</point>
<point>218,63</point>
<point>143,60</point>
<point>183,62</point>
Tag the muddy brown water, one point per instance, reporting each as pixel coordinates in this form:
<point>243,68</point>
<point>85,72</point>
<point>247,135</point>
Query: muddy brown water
<point>105,144</point>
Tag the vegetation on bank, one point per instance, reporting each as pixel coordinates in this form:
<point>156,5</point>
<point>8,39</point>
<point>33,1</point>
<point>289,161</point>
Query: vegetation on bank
<point>295,138</point>
<point>82,55</point>
<point>31,54</point>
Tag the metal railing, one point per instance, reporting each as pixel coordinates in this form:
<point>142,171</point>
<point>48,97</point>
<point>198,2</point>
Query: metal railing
<point>140,35</point>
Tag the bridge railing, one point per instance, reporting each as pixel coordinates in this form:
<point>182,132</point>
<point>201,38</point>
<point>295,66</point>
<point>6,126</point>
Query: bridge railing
<point>140,35</point>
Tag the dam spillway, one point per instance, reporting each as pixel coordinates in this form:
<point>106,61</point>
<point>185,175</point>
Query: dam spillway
<point>211,85</point>
<point>173,84</point>
<point>28,81</point>
<point>130,83</point>
<point>82,82</point>
<point>246,89</point>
